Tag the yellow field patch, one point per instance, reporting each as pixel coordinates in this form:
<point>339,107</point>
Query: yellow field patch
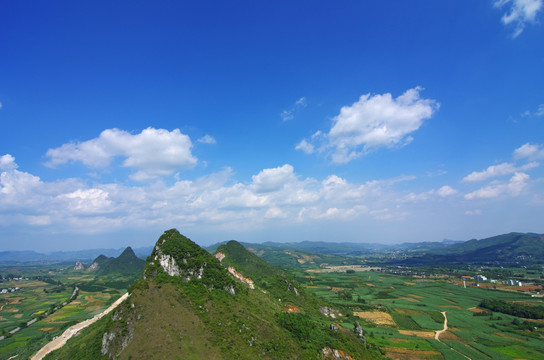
<point>421,334</point>
<point>46,329</point>
<point>417,296</point>
<point>376,317</point>
<point>450,301</point>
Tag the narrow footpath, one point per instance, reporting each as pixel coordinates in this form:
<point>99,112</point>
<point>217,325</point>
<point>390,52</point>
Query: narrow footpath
<point>59,342</point>
<point>440,332</point>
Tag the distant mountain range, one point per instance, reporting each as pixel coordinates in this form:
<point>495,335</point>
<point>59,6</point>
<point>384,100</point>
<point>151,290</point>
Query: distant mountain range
<point>512,247</point>
<point>67,256</point>
<point>507,248</point>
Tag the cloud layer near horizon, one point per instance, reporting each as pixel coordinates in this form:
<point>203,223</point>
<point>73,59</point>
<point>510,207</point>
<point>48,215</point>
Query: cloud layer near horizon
<point>221,202</point>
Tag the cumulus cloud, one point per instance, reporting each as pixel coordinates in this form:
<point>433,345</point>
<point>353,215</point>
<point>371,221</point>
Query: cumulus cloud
<point>153,152</point>
<point>273,179</point>
<point>214,201</point>
<point>372,122</point>
<point>519,13</point>
<point>518,182</point>
<point>540,110</point>
<point>473,212</point>
<point>289,114</point>
<point>7,162</point>
<point>207,139</point>
<point>529,151</point>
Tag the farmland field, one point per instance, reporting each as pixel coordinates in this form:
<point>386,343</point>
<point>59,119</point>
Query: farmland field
<point>401,315</point>
<point>48,301</point>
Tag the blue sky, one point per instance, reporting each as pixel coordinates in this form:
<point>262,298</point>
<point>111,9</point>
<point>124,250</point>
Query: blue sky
<point>374,121</point>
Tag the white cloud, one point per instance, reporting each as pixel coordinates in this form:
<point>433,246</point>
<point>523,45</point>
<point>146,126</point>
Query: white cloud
<point>520,12</point>
<point>529,151</point>
<point>274,213</point>
<point>88,200</point>
<point>273,179</point>
<point>207,139</point>
<point>376,121</point>
<point>518,182</point>
<point>446,191</point>
<point>153,152</point>
<point>540,110</point>
<point>289,114</point>
<point>7,162</point>
<point>473,212</point>
<point>305,147</point>
<point>498,170</point>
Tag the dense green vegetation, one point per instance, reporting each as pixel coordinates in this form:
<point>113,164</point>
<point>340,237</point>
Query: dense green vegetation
<point>520,310</point>
<point>126,263</point>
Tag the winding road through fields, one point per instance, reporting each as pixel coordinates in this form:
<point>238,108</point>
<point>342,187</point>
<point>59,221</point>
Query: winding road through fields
<point>59,342</point>
<point>440,332</point>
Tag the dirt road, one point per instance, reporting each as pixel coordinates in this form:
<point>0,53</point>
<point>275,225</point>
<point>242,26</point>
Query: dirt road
<point>59,342</point>
<point>438,333</point>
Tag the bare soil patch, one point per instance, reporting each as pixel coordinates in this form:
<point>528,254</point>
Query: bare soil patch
<point>509,337</point>
<point>448,335</point>
<point>418,333</point>
<point>379,318</point>
<point>408,354</point>
<point>18,316</point>
<point>409,311</point>
<point>417,296</point>
<point>409,299</point>
<point>477,310</point>
<point>450,301</point>
<point>450,306</point>
<point>46,329</point>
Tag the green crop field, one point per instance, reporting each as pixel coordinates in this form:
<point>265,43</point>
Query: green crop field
<point>408,311</point>
<point>37,299</point>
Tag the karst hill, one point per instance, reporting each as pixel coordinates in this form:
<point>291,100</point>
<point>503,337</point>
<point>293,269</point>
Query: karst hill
<point>190,304</point>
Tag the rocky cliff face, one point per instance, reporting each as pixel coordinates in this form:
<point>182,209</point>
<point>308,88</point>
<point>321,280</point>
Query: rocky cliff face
<point>178,257</point>
<point>79,266</point>
<point>94,266</point>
